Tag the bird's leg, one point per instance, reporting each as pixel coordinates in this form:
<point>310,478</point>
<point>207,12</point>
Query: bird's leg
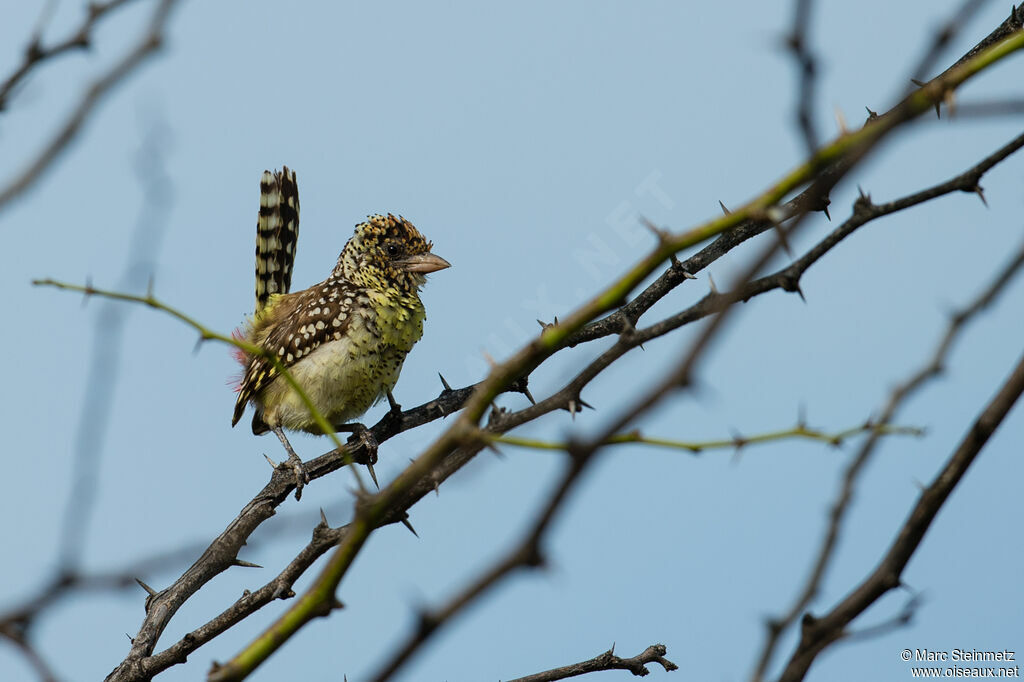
<point>364,437</point>
<point>294,462</point>
<point>395,407</point>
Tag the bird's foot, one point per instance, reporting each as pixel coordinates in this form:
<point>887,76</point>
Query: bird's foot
<point>294,462</point>
<point>362,441</point>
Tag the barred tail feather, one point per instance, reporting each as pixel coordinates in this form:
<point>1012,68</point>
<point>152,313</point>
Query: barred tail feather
<point>277,231</point>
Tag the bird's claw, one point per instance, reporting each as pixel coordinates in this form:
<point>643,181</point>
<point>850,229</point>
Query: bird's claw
<point>301,475</point>
<point>294,462</point>
<point>362,439</point>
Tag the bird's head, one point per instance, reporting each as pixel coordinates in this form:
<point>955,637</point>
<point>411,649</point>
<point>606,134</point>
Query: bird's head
<point>388,251</point>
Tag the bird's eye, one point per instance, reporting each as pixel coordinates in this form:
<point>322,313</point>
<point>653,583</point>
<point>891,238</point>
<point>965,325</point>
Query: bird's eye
<point>392,250</point>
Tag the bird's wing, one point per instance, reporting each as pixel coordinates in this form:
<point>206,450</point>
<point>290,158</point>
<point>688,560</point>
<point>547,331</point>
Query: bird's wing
<point>292,327</point>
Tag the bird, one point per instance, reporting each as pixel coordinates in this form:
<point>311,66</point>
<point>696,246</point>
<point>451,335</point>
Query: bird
<point>343,340</point>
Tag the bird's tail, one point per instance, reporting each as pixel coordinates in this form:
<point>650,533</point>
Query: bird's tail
<point>277,232</point>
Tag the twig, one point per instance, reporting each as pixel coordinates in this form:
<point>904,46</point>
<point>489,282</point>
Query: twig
<point>527,554</point>
<point>208,334</point>
<point>787,279</point>
<point>807,67</point>
<point>808,200</point>
<point>896,400</point>
<point>19,639</point>
<point>35,53</point>
<point>943,37</point>
<point>799,432</point>
<point>607,661</point>
<point>818,633</point>
<point>223,550</point>
<point>149,44</point>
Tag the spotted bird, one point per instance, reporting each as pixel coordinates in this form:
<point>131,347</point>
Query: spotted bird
<point>343,340</point>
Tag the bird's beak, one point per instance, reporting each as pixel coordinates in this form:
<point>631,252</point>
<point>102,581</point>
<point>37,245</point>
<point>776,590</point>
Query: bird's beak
<point>422,263</point>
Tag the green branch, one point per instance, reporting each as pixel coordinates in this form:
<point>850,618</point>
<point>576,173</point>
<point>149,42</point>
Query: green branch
<point>799,432</point>
<point>207,334</point>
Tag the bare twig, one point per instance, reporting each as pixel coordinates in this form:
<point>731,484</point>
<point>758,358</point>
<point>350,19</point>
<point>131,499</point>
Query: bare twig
<point>526,554</point>
<point>36,53</point>
<point>807,67</point>
<point>208,334</point>
<point>943,36</point>
<point>21,616</point>
<point>788,278</point>
<point>737,442</point>
<point>147,45</point>
<point>607,661</point>
<point>840,507</point>
<point>19,639</point>
<point>808,200</point>
<point>818,633</point>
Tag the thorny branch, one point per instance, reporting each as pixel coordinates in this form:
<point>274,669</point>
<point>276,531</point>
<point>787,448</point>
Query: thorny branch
<point>737,442</point>
<point>818,633</point>
<point>844,497</point>
<point>527,554</point>
<point>17,622</point>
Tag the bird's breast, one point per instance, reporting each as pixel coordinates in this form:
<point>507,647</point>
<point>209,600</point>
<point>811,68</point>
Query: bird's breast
<point>395,318</point>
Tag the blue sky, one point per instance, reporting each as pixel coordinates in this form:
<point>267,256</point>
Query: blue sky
<point>525,140</point>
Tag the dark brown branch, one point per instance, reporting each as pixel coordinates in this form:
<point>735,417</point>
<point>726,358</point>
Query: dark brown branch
<point>818,633</point>
<point>221,554</point>
<point>607,661</point>
<point>851,475</point>
<point>21,617</point>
